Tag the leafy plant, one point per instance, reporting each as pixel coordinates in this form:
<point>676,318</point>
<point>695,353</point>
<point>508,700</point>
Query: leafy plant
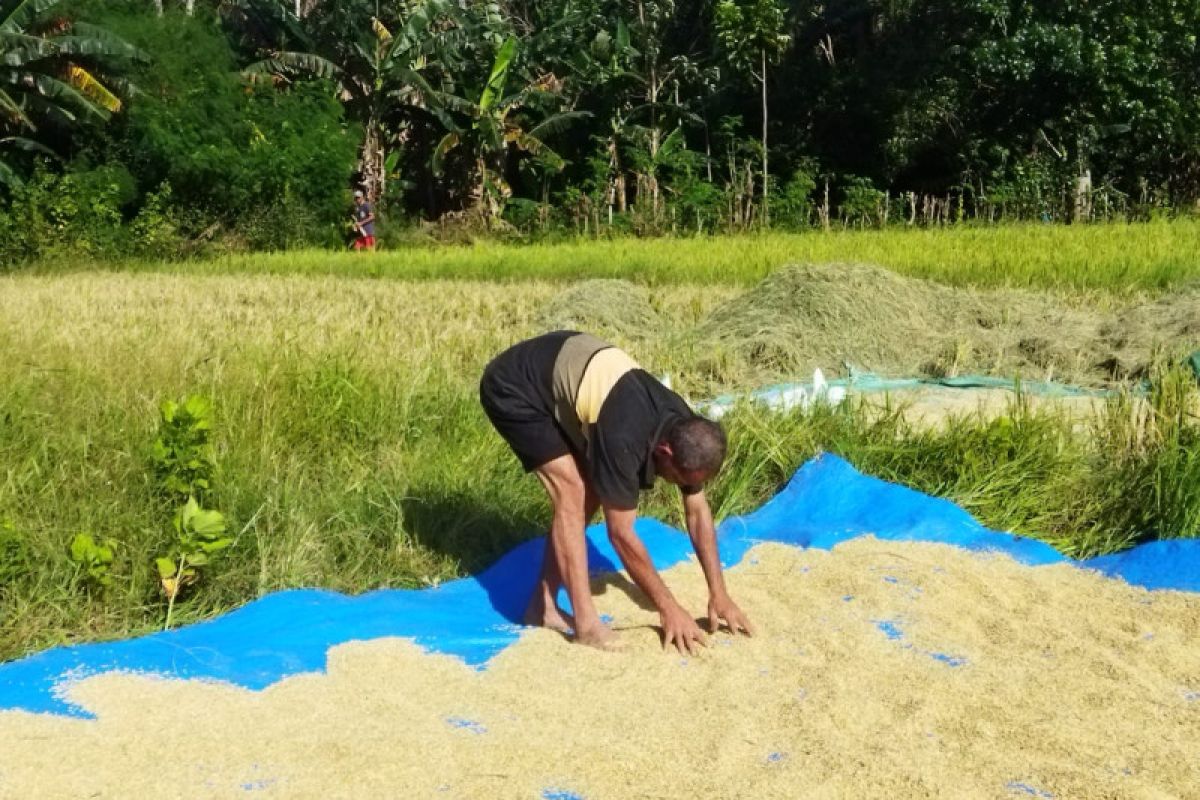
<point>863,203</point>
<point>93,559</point>
<point>199,535</point>
<point>184,461</point>
<point>499,125</point>
<point>183,454</point>
<point>52,73</point>
<point>388,63</point>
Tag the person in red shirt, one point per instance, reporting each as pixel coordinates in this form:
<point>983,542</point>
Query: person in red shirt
<point>364,222</point>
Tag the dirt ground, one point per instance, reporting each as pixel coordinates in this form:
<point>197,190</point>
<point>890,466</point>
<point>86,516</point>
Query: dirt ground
<point>879,670</point>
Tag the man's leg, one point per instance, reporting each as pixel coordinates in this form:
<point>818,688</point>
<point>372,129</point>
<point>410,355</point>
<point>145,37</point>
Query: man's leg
<point>566,554</point>
<point>543,606</point>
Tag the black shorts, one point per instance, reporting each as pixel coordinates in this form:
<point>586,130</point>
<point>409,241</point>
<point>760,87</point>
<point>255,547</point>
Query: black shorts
<point>515,392</point>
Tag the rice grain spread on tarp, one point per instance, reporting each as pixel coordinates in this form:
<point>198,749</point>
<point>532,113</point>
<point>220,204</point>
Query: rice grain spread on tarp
<point>880,669</point>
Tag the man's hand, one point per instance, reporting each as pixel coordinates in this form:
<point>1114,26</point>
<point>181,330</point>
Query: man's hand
<point>722,608</point>
<point>681,630</point>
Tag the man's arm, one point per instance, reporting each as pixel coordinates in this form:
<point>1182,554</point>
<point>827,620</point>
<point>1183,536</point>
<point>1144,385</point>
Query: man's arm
<point>679,628</point>
<point>704,541</point>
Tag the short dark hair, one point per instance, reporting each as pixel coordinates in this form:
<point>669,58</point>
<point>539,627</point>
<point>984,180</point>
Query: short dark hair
<point>697,445</point>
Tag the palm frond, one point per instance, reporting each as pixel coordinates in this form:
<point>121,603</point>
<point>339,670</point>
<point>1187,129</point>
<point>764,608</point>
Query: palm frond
<point>39,106</point>
<point>414,35</point>
<point>557,123</point>
<point>19,49</point>
<point>53,89</point>
<point>411,77</point>
<point>448,143</point>
<point>287,62</point>
<point>490,132</point>
<point>29,146</point>
<point>93,89</point>
<point>495,84</point>
<point>23,14</point>
<point>8,177</point>
<point>671,145</point>
<point>536,147</point>
<point>14,111</point>
<point>453,102</point>
<point>90,40</point>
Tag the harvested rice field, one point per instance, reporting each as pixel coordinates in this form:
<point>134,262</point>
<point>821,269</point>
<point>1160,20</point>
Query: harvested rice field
<point>343,446</point>
<point>880,669</point>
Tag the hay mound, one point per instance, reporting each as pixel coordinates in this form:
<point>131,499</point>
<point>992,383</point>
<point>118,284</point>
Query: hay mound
<point>606,307</point>
<point>805,317</point>
<point>1128,342</point>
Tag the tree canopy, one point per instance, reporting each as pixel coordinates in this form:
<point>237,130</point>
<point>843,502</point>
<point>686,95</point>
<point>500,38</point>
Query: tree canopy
<point>648,116</point>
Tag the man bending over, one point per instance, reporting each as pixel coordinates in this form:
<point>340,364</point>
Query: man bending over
<point>597,429</point>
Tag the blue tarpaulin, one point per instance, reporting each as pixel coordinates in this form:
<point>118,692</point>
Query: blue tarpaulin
<point>826,502</point>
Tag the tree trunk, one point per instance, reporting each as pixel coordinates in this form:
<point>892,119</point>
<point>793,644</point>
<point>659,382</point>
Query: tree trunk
<point>766,175</point>
<point>823,212</point>
<point>651,182</point>
<point>1083,197</point>
<point>190,6</point>
<point>158,7</point>
<point>372,161</point>
<point>707,151</point>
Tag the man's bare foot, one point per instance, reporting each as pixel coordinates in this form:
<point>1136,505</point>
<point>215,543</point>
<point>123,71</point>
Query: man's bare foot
<point>600,637</point>
<point>548,615</point>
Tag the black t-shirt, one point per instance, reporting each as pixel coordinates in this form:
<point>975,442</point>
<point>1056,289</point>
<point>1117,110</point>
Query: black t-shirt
<point>635,416</point>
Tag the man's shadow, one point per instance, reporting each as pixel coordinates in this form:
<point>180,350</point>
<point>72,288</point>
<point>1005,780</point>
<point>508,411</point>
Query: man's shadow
<point>500,551</point>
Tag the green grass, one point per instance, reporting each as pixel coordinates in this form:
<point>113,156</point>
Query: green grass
<point>352,453</point>
<point>1114,257</point>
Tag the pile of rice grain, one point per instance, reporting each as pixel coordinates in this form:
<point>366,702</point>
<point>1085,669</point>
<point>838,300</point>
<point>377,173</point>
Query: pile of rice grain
<point>881,669</point>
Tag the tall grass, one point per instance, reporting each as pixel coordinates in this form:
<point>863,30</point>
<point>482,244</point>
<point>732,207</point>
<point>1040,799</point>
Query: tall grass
<point>351,451</point>
<point>1112,257</point>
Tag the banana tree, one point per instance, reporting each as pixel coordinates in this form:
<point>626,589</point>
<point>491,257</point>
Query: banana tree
<point>633,68</point>
<point>385,72</point>
<point>499,126</point>
<point>52,74</point>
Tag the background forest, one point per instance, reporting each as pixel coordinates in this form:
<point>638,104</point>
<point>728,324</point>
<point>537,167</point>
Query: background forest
<point>131,128</point>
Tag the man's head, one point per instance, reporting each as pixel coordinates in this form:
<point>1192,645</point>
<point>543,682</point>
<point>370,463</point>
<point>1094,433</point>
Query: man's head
<point>691,452</point>
<point>359,196</point>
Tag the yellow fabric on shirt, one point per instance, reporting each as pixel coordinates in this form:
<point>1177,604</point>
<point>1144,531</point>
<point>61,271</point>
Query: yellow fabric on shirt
<point>603,372</point>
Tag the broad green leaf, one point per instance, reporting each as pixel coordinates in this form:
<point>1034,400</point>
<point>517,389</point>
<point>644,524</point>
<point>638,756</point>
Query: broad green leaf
<point>208,523</point>
<point>495,84</point>
<point>81,547</point>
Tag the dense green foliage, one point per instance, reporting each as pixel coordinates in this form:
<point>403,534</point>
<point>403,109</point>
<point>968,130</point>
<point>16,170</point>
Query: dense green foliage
<point>269,163</point>
<point>252,119</point>
<point>196,152</point>
<point>50,78</point>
